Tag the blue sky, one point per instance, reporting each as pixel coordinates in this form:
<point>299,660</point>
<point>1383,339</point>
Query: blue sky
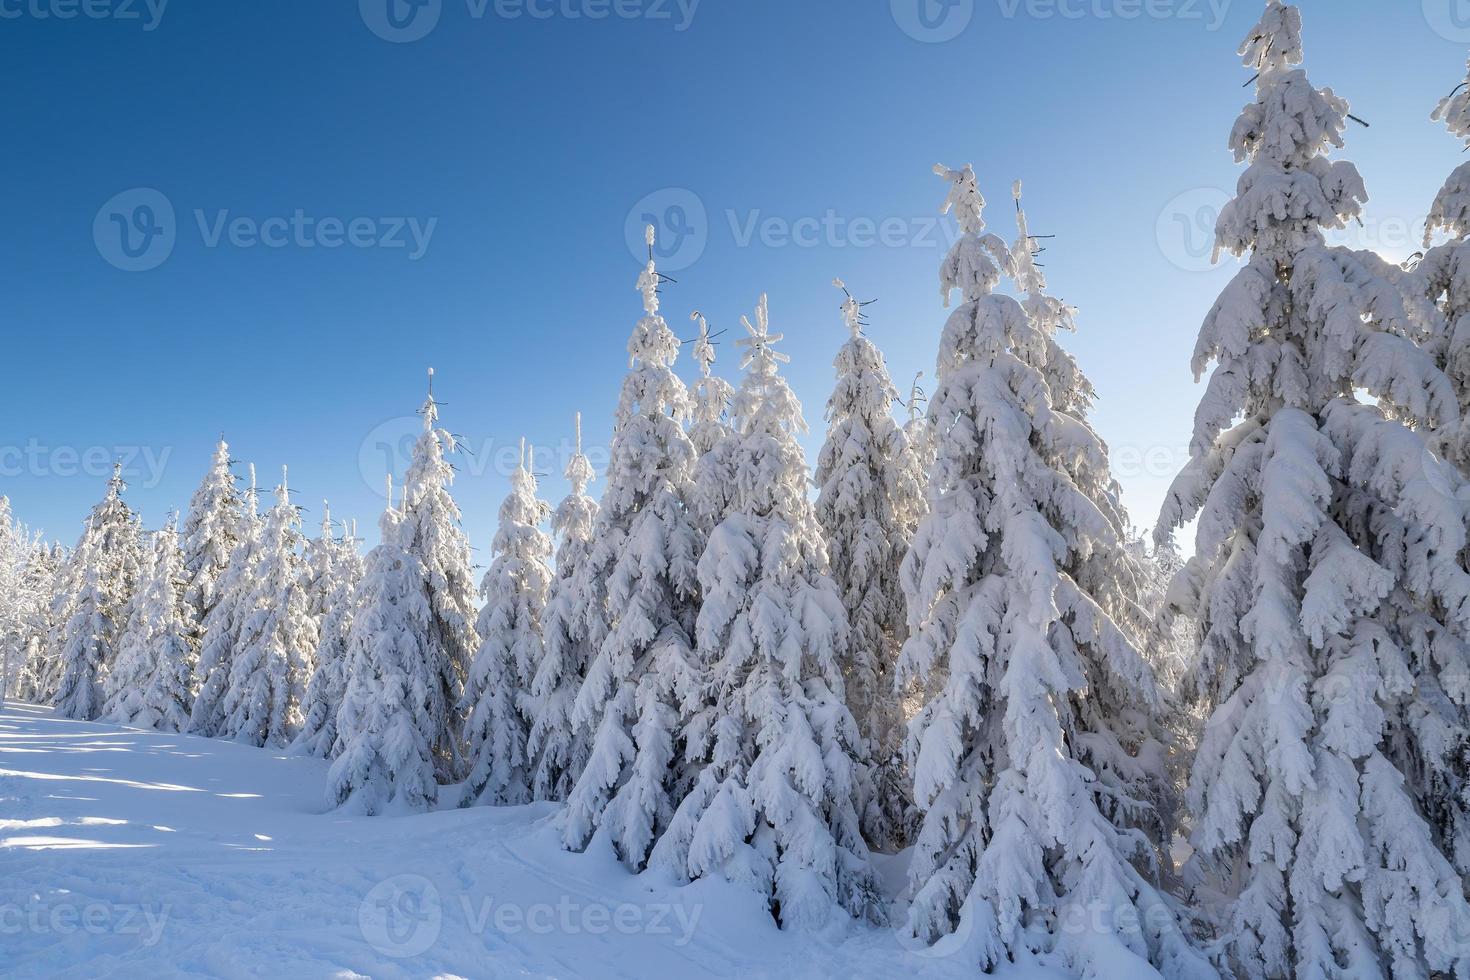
<point>352,203</point>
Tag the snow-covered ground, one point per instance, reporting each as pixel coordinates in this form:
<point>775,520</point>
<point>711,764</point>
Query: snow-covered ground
<point>128,853</point>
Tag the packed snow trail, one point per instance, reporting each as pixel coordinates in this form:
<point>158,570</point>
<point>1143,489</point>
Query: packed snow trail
<point>130,853</point>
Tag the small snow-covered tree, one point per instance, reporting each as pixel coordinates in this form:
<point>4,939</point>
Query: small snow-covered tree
<point>498,695</point>
<point>19,602</point>
<point>39,586</point>
<point>709,396</point>
<point>277,638</point>
<point>210,533</point>
<point>336,575</point>
<point>133,666</point>
<point>639,580</point>
<point>709,431</point>
<point>86,637</point>
<point>387,725</point>
<point>777,804</point>
<point>101,582</point>
<point>1031,756</point>
<point>556,747</point>
<point>224,624</point>
<point>1327,582</point>
<point>151,683</point>
<point>430,532</point>
<point>862,519</point>
<point>63,588</point>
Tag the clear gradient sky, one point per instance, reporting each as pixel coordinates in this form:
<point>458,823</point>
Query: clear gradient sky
<point>455,182</point>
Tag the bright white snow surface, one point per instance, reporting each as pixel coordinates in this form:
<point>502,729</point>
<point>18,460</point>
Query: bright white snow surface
<point>130,853</point>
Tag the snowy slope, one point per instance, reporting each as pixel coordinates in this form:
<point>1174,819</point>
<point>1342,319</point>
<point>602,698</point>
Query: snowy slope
<point>128,853</point>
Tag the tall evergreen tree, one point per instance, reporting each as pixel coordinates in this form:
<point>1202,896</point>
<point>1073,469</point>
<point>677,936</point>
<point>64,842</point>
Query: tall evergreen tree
<point>1031,757</point>
<point>862,519</point>
<point>39,587</point>
<point>430,532</point>
<point>133,666</point>
<point>709,431</point>
<point>211,531</point>
<point>337,571</point>
<point>87,635</point>
<point>776,806</point>
<point>1444,274</point>
<point>151,685</point>
<point>18,601</point>
<point>224,624</point>
<point>1327,583</point>
<point>387,725</point>
<point>556,747</point>
<point>640,582</point>
<point>277,639</point>
<point>100,584</point>
<point>498,696</point>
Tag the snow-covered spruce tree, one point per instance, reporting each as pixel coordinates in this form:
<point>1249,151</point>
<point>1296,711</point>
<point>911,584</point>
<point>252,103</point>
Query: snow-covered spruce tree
<point>430,532</point>
<point>777,805</point>
<point>133,666</point>
<point>336,574</point>
<point>1445,274</point>
<point>38,584</point>
<point>154,689</point>
<point>1113,569</point>
<point>915,462</point>
<point>84,639</point>
<point>102,580</point>
<point>387,725</point>
<point>710,395</point>
<point>17,601</point>
<point>225,621</point>
<point>63,589</point>
<point>709,431</point>
<point>1032,756</point>
<point>1327,584</point>
<point>639,580</point>
<point>498,695</point>
<point>557,748</point>
<point>211,531</point>
<point>277,638</point>
<point>862,520</point>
